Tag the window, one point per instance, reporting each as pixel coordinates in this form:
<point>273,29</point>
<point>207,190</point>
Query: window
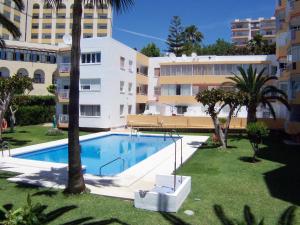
<point>129,109</point>
<point>102,16</point>
<point>17,18</point>
<point>36,6</point>
<point>60,16</point>
<point>60,26</point>
<point>6,14</point>
<point>87,35</point>
<point>35,26</point>
<point>47,26</point>
<point>122,87</point>
<point>35,16</point>
<point>7,2</point>
<point>102,26</point>
<point>121,110</point>
<point>47,15</point>
<point>93,57</point>
<point>130,63</point>
<point>156,72</point>
<point>39,77</point>
<point>46,36</point>
<point>130,88</point>
<point>101,35</point>
<point>90,110</point>
<point>88,16</point>
<point>157,91</point>
<point>88,26</point>
<point>181,109</point>
<point>122,63</point>
<point>59,36</point>
<point>34,36</point>
<point>90,84</point>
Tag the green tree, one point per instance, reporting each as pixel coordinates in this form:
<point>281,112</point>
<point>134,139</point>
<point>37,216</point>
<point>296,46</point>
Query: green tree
<point>220,47</point>
<point>256,86</point>
<point>215,100</point>
<point>192,39</point>
<point>175,39</point>
<point>9,25</point>
<point>151,50</point>
<point>75,177</point>
<point>51,89</point>
<point>9,87</point>
<point>258,46</point>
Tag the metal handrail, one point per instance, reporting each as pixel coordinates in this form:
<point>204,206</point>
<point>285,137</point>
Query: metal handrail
<point>171,135</point>
<point>4,147</point>
<point>176,132</point>
<point>119,158</point>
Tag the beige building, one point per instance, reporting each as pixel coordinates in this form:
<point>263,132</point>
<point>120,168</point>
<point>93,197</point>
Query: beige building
<point>244,30</point>
<point>41,24</point>
<point>37,61</point>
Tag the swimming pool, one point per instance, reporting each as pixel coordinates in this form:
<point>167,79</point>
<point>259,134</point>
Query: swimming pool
<point>124,150</point>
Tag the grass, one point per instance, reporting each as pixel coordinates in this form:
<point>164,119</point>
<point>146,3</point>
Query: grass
<point>30,135</point>
<point>218,177</point>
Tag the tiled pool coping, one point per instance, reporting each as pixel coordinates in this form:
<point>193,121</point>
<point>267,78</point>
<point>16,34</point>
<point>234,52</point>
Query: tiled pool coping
<point>140,176</point>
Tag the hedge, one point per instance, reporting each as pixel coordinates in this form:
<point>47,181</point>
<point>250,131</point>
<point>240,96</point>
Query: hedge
<point>34,109</point>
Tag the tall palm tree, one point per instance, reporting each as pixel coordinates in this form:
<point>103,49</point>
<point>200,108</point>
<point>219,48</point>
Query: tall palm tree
<point>75,178</point>
<point>193,35</point>
<point>9,25</point>
<point>256,86</point>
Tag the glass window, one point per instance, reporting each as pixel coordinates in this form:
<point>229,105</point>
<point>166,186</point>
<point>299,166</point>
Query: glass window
<point>90,84</point>
<point>122,87</point>
<point>121,110</point>
<point>129,109</point>
<point>90,110</point>
<point>122,63</point>
<point>130,63</point>
<point>130,88</point>
<point>98,57</point>
<point>156,72</point>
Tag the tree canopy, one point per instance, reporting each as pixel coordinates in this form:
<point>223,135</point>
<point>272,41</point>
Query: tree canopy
<point>151,50</point>
<point>175,39</point>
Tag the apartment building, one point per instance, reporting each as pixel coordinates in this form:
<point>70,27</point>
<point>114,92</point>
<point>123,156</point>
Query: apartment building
<point>107,84</point>
<point>288,55</point>
<point>37,61</point>
<point>174,81</point>
<point>39,23</point>
<point>243,30</point>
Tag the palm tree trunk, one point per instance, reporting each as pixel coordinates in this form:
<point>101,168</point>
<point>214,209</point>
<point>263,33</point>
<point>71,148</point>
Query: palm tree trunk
<point>251,117</point>
<point>75,179</point>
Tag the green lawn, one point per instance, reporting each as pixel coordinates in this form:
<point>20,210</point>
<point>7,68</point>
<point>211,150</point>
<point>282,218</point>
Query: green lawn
<point>30,135</point>
<point>218,177</point>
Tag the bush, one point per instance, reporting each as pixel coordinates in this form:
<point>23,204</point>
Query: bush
<point>54,132</point>
<point>37,114</point>
<point>256,132</point>
<point>33,109</point>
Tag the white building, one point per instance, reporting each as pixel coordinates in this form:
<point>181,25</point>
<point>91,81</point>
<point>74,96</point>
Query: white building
<point>107,83</point>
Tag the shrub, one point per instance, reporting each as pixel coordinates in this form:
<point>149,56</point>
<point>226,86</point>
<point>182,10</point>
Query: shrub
<point>256,132</point>
<point>54,132</point>
<point>37,114</point>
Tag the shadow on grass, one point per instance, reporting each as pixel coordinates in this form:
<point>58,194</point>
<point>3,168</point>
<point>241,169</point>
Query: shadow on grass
<point>109,221</point>
<point>172,219</point>
<point>16,142</point>
<point>6,175</point>
<point>48,193</point>
<point>249,159</point>
<point>283,182</point>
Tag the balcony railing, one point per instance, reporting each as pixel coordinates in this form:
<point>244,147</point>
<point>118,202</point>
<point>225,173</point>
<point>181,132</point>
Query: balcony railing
<point>64,68</point>
<point>63,93</point>
<point>63,118</point>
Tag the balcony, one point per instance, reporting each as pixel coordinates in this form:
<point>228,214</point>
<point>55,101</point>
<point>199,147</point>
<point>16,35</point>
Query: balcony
<point>295,37</point>
<point>141,98</point>
<point>63,95</point>
<point>141,79</point>
<point>294,8</point>
<point>63,121</point>
<point>195,79</point>
<point>177,99</point>
<point>64,69</point>
<point>281,52</point>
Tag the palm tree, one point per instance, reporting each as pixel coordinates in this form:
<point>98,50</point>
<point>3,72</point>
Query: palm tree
<point>9,25</point>
<point>256,86</point>
<point>75,178</point>
<point>192,39</point>
<point>193,35</point>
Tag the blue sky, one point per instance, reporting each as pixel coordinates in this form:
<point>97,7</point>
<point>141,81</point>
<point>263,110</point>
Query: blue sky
<point>213,17</point>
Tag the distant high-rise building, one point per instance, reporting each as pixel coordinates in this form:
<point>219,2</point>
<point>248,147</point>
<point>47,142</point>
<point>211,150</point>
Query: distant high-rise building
<point>244,30</point>
<point>41,24</point>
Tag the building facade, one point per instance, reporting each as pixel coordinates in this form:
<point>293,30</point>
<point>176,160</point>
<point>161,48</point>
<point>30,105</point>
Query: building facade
<point>288,55</point>
<point>39,23</point>
<point>38,61</point>
<point>243,31</point>
<point>107,84</point>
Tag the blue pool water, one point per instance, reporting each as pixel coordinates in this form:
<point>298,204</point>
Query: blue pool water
<point>99,151</point>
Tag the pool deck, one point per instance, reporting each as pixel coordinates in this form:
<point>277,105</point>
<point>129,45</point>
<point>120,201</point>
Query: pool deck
<point>139,177</point>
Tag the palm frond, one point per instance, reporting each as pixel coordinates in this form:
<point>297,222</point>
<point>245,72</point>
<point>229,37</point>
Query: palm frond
<point>282,100</point>
<point>270,106</point>
<point>273,90</point>
<point>2,43</point>
<point>288,216</point>
<point>19,4</point>
<point>10,26</point>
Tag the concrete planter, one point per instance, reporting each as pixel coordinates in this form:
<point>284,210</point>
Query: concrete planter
<point>162,197</point>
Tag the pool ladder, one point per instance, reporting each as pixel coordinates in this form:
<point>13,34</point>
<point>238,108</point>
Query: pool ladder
<point>175,150</point>
<point>134,131</point>
<point>4,146</point>
<point>106,164</point>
